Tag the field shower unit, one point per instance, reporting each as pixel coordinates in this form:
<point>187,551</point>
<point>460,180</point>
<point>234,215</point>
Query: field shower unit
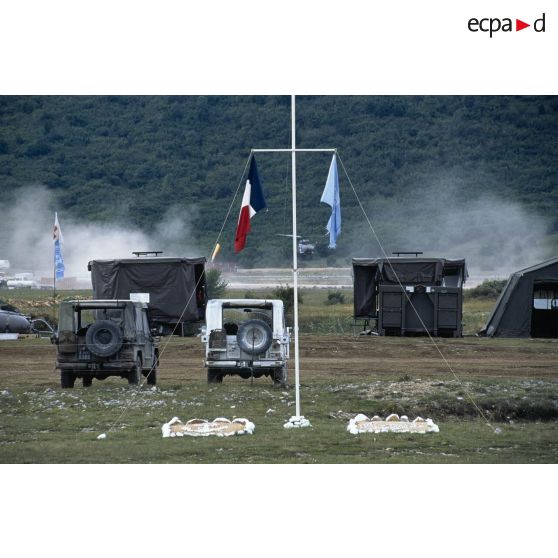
<point>409,296</point>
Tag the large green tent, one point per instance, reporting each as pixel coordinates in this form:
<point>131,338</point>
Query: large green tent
<point>528,305</point>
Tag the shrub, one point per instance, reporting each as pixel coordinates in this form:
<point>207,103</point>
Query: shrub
<point>335,297</point>
<point>286,294</point>
<point>216,285</point>
<point>491,288</point>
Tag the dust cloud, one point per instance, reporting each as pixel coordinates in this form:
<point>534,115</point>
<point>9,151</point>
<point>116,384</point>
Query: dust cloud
<point>26,236</point>
<point>495,235</point>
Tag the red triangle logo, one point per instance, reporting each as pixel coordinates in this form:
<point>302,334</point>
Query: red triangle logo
<point>519,25</point>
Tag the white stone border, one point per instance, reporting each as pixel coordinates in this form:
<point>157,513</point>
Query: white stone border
<point>207,428</point>
<point>361,424</point>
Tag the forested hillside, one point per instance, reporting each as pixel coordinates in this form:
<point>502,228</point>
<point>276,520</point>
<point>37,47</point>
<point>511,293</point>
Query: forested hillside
<point>419,165</point>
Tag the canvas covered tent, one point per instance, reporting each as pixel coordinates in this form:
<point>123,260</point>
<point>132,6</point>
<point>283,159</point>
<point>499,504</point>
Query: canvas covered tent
<point>528,305</point>
<point>406,296</point>
<point>176,287</point>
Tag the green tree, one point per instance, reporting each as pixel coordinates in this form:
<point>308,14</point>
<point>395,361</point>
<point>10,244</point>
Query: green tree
<point>216,284</point>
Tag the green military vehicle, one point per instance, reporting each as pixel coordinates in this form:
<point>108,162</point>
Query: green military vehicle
<point>102,338</point>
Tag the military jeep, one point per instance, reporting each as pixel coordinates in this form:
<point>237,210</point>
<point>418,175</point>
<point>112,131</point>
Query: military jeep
<point>102,338</point>
<point>246,337</point>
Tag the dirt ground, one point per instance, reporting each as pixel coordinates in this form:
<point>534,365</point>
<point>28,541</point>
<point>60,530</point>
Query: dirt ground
<point>30,361</point>
<point>499,405</point>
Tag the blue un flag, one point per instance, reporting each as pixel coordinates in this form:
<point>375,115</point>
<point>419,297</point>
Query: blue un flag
<point>58,259</point>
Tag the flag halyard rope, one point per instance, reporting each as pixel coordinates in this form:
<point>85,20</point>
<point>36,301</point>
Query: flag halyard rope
<point>443,357</point>
<point>139,387</point>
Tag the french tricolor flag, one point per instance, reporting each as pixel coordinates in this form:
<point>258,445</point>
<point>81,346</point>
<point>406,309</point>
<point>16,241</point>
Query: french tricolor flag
<point>252,202</point>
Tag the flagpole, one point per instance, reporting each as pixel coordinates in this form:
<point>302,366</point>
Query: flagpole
<point>295,259</point>
<point>297,421</point>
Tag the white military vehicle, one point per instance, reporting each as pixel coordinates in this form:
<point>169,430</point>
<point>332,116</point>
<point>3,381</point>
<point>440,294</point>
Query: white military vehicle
<point>246,337</point>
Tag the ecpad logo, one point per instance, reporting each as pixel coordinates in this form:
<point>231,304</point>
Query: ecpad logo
<point>492,25</point>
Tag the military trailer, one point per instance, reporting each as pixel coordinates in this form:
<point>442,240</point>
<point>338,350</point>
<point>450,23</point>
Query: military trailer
<point>409,296</point>
<point>173,288</point>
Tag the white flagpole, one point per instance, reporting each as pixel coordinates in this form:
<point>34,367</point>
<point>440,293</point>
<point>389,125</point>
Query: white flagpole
<point>295,259</point>
<point>298,420</point>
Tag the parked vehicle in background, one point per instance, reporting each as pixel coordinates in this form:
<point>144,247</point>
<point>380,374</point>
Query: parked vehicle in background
<point>173,288</point>
<point>22,281</point>
<point>102,338</point>
<point>14,322</point>
<point>246,337</point>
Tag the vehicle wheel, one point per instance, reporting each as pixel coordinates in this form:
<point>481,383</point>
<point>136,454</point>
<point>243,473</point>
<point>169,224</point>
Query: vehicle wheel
<point>67,379</point>
<point>280,377</point>
<point>134,376</point>
<point>254,337</point>
<point>103,338</point>
<point>152,376</point>
<point>214,377</point>
<point>87,381</point>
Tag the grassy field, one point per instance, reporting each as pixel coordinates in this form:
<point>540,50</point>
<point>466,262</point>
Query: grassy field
<point>513,382</point>
<point>62,428</point>
<point>315,315</point>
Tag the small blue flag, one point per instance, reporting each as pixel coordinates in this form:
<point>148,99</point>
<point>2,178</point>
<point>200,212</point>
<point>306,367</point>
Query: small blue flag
<point>331,197</point>
<point>59,267</point>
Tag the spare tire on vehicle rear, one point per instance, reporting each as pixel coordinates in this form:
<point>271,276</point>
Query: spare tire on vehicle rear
<point>103,338</point>
<point>254,337</point>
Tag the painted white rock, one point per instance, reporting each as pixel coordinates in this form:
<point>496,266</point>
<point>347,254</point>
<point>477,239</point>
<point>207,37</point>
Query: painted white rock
<point>297,422</point>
